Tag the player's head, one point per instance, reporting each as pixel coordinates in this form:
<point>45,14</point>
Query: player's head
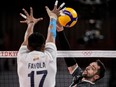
<point>101,71</point>
<point>94,71</point>
<point>36,41</point>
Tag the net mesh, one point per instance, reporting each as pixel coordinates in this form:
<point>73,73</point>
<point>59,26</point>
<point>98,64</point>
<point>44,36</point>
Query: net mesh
<point>9,77</point>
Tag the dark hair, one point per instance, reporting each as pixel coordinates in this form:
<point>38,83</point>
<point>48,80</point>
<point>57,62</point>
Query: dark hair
<point>36,41</point>
<point>102,70</point>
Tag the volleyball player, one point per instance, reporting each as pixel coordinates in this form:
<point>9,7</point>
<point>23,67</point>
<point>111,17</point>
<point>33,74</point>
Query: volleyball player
<point>37,57</point>
<point>81,78</point>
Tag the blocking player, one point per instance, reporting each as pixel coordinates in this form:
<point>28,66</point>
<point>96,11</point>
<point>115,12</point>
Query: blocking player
<point>36,58</point>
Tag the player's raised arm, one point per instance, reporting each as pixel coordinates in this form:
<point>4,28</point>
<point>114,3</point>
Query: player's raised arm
<point>30,20</point>
<point>52,26</point>
<point>53,14</point>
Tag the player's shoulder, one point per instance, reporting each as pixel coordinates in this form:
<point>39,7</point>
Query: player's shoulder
<point>23,48</point>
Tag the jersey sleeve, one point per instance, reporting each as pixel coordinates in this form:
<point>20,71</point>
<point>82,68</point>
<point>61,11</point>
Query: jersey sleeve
<point>22,50</point>
<point>51,49</point>
<point>77,76</point>
<point>77,71</point>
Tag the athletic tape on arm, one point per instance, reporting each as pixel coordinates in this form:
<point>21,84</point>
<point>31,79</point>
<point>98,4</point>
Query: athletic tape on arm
<point>53,24</point>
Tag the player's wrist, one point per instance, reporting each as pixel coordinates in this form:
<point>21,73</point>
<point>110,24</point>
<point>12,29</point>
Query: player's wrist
<point>60,28</point>
<point>31,23</point>
<point>53,17</point>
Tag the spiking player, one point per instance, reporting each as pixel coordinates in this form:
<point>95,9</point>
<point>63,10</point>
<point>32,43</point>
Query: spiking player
<point>81,78</point>
<point>36,58</point>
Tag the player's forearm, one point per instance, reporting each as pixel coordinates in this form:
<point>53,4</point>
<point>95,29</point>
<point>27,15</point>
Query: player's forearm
<point>63,41</point>
<point>51,31</point>
<point>72,68</point>
<point>28,32</point>
<point>50,37</point>
<point>66,46</point>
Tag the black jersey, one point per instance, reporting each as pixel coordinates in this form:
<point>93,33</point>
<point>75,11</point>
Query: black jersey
<point>84,84</point>
<point>77,79</point>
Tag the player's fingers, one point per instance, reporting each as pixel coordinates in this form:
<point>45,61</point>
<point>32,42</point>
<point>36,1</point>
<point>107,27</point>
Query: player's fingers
<point>39,19</point>
<point>23,22</point>
<point>22,15</point>
<point>47,9</point>
<point>56,3</point>
<point>61,6</point>
<point>26,13</point>
<point>61,11</point>
<point>31,11</point>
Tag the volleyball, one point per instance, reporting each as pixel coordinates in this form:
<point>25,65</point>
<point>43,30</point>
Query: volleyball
<point>68,17</point>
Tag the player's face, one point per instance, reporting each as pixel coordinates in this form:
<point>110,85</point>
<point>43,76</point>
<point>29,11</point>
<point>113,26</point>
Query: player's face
<point>91,70</point>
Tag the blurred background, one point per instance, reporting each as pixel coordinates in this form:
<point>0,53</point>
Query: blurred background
<point>94,30</point>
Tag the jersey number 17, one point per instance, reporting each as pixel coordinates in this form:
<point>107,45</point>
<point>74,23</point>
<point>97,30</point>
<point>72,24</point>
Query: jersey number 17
<point>32,74</point>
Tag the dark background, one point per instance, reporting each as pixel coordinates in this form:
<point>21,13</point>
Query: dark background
<point>12,31</point>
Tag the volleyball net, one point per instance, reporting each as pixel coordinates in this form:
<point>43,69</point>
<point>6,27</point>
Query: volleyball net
<point>8,66</point>
<point>61,54</point>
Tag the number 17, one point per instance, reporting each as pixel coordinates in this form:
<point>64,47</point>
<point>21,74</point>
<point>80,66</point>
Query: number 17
<point>31,75</point>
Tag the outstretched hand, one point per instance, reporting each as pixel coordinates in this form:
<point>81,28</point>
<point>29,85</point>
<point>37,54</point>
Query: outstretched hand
<point>57,9</point>
<point>29,18</point>
<point>50,13</point>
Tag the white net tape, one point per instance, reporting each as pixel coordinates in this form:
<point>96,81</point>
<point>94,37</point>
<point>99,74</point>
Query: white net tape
<point>82,53</point>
